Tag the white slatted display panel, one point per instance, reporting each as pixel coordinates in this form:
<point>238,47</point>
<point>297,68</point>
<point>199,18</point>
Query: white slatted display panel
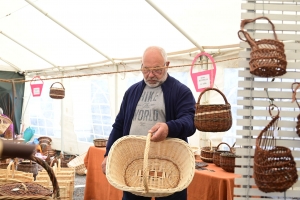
<point>253,113</point>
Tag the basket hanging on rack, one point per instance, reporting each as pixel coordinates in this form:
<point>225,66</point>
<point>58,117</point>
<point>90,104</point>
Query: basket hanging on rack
<point>207,153</point>
<point>214,117</point>
<point>295,99</point>
<point>267,58</point>
<point>274,167</point>
<point>57,92</point>
<point>150,169</point>
<point>5,122</point>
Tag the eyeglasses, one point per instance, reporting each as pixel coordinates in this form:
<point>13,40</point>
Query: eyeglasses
<point>158,71</point>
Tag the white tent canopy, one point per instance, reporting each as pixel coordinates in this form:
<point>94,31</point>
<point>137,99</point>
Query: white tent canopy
<point>43,34</point>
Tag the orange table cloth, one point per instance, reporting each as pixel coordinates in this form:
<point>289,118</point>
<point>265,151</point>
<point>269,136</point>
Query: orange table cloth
<point>206,185</point>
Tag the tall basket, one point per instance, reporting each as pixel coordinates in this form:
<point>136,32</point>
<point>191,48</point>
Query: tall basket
<point>267,58</point>
<point>274,167</point>
<point>150,169</point>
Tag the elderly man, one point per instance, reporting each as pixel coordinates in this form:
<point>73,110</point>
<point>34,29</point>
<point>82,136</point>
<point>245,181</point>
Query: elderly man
<point>159,104</point>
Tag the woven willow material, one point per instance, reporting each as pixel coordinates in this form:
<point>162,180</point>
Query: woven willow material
<point>100,142</point>
<point>227,161</point>
<point>267,58</point>
<point>57,93</point>
<point>207,153</point>
<point>274,167</point>
<point>214,117</point>
<point>31,190</point>
<point>5,122</point>
<point>295,99</point>
<point>150,169</point>
<point>216,156</point>
<point>78,164</point>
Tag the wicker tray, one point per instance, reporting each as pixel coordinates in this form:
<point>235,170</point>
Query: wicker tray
<point>78,164</point>
<point>152,170</point>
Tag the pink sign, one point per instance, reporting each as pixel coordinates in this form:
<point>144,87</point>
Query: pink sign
<point>205,78</point>
<point>36,88</point>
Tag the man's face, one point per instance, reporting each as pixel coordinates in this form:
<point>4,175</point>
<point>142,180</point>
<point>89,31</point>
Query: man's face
<point>153,68</point>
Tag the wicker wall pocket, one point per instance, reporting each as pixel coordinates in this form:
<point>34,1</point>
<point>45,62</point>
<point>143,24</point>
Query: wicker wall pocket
<point>57,92</point>
<point>217,153</point>
<point>214,117</point>
<point>267,58</point>
<point>295,99</point>
<point>207,153</point>
<point>150,169</point>
<point>274,167</point>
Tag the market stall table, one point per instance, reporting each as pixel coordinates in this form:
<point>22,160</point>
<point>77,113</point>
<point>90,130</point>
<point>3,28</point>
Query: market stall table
<point>213,183</point>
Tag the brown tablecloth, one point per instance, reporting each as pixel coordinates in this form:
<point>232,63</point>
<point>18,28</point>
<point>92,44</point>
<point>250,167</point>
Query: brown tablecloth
<point>206,185</point>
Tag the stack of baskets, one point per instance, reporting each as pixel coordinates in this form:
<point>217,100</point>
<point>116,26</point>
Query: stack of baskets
<point>78,164</point>
<point>151,170</point>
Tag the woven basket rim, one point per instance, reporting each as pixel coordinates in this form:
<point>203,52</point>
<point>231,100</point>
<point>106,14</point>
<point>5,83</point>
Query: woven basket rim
<point>154,192</point>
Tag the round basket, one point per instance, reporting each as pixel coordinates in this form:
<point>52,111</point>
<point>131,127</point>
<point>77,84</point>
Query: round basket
<point>207,153</point>
<point>217,153</point>
<point>78,164</point>
<point>227,161</point>
<point>100,142</point>
<point>151,170</point>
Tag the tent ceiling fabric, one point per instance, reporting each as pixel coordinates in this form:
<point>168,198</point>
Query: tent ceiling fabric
<point>119,29</point>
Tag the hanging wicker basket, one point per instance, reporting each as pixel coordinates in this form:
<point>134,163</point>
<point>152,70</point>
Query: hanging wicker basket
<point>274,167</point>
<point>57,92</point>
<point>267,58</point>
<point>214,117</point>
<point>150,169</point>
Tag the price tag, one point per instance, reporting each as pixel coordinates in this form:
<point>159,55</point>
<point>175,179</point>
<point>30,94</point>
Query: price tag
<point>203,81</point>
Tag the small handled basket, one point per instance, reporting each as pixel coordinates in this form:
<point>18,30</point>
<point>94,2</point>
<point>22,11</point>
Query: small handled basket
<point>31,190</point>
<point>207,153</point>
<point>217,153</point>
<point>274,167</point>
<point>227,161</point>
<point>267,58</point>
<point>214,117</point>
<point>57,92</point>
<point>150,169</point>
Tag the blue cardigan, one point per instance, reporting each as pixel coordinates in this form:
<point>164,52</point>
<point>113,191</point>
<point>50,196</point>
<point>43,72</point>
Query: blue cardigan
<point>179,108</point>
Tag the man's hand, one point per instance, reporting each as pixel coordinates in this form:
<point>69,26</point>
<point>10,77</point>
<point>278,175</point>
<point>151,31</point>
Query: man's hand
<point>159,132</point>
<point>103,165</point>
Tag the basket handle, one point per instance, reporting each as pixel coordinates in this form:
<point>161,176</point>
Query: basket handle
<point>294,93</point>
<point>222,143</point>
<point>145,164</point>
<point>58,83</point>
<point>207,89</point>
<point>247,21</point>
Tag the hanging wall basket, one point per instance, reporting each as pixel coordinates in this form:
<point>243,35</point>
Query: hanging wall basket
<point>57,92</point>
<point>36,88</point>
<point>267,57</point>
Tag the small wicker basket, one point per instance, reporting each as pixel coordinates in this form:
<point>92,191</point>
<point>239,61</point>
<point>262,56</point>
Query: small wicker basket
<point>227,161</point>
<point>100,142</point>
<point>78,164</point>
<point>207,153</point>
<point>5,122</point>
<point>217,153</point>
<point>151,170</point>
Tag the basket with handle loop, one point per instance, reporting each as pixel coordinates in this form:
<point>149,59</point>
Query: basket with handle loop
<point>150,169</point>
<point>213,117</point>
<point>217,153</point>
<point>57,92</point>
<point>267,57</point>
<point>274,167</point>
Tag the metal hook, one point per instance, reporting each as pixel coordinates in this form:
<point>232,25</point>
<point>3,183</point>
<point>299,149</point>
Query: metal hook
<point>271,100</point>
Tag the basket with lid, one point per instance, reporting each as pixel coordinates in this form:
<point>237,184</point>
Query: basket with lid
<point>151,169</point>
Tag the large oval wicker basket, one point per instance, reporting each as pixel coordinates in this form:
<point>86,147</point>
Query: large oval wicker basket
<point>150,169</point>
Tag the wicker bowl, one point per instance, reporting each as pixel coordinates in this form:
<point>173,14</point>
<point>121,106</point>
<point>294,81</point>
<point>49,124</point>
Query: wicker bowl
<point>100,142</point>
<point>151,170</point>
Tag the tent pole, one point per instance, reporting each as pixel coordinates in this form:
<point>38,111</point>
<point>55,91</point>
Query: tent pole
<point>67,29</point>
<point>175,25</point>
<point>10,64</point>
